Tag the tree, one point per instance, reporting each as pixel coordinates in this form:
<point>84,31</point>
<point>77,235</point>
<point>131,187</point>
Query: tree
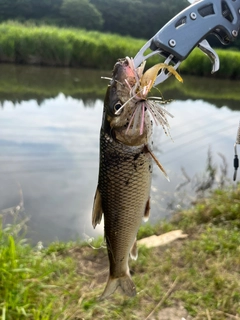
<point>81,13</point>
<point>23,8</point>
<point>138,18</point>
<point>7,9</point>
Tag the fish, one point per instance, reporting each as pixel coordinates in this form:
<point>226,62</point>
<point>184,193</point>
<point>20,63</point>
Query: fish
<point>125,167</point>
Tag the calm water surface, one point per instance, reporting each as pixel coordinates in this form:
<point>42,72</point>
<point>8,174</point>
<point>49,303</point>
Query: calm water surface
<point>49,132</point>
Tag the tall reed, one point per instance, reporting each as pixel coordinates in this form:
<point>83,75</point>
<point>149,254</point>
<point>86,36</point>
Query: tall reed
<point>198,64</point>
<point>48,45</point>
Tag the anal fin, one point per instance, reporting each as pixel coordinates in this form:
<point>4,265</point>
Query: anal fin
<point>97,209</point>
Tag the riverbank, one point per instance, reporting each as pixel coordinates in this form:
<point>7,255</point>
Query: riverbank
<point>52,46</point>
<point>198,275</point>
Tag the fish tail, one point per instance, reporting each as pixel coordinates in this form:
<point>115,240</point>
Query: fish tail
<point>124,282</point>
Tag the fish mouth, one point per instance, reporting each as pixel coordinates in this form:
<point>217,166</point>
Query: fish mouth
<point>138,84</point>
<point>124,72</point>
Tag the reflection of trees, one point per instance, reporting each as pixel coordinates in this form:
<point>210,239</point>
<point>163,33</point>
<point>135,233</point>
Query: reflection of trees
<point>87,102</point>
<point>16,100</point>
<point>23,83</point>
<point>232,104</point>
<point>218,92</point>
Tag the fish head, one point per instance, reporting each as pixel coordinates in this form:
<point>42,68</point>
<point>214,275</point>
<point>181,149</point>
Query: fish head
<point>125,117</point>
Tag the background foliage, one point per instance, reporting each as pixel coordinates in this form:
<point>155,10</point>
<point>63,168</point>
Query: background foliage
<point>71,47</point>
<point>138,18</point>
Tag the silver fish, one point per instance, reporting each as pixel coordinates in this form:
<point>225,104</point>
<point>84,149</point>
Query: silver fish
<point>125,172</point>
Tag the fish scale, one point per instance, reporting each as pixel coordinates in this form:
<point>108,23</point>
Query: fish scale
<point>124,187</point>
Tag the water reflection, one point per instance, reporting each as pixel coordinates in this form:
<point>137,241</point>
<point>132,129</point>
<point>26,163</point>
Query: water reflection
<point>53,153</point>
<point>23,83</point>
<point>52,150</point>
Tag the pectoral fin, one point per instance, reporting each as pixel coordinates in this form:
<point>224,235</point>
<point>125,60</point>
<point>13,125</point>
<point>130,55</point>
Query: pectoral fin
<point>97,209</point>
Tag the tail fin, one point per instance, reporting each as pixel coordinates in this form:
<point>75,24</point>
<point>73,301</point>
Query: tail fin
<point>124,282</point>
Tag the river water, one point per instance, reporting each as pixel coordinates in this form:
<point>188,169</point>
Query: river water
<point>49,145</point>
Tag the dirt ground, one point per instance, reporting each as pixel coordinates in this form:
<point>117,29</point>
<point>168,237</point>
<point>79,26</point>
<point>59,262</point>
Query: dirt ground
<point>96,266</point>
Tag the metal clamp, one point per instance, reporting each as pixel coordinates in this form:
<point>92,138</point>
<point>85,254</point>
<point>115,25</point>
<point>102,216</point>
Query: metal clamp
<point>189,29</point>
<point>184,32</point>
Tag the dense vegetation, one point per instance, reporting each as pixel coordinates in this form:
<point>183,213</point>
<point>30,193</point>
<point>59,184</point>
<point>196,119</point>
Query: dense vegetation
<point>138,18</point>
<point>49,45</point>
<point>63,281</point>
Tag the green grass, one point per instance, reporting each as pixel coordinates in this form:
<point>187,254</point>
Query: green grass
<point>49,45</point>
<point>200,273</point>
<point>198,64</point>
<point>33,284</point>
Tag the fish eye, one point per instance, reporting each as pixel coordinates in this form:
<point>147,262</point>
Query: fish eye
<point>117,106</point>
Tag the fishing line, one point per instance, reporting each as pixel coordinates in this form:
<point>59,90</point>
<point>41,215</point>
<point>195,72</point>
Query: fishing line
<point>235,160</point>
<point>173,159</point>
<point>196,130</point>
<point>58,157</point>
<point>195,140</point>
<point>199,148</point>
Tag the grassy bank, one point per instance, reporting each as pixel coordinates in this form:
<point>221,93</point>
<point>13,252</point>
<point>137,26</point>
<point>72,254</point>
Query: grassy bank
<point>47,45</point>
<point>200,274</point>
